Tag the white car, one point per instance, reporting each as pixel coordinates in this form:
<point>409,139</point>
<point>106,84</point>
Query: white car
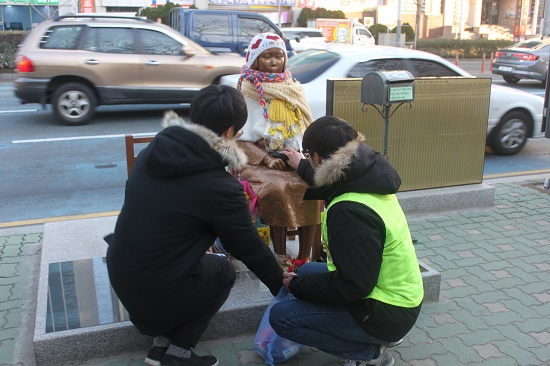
<point>514,115</point>
<point>302,39</point>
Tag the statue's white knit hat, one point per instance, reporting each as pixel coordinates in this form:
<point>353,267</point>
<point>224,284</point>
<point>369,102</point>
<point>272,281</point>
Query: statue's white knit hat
<point>262,42</point>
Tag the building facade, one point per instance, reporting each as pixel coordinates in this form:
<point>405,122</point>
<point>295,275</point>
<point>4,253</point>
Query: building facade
<point>463,19</point>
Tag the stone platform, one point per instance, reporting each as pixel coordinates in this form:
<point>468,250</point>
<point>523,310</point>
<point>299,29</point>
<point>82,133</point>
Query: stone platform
<point>75,249</point>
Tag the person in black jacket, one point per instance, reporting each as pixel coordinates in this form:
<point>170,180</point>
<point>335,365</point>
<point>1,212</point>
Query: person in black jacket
<point>368,295</point>
<point>180,196</point>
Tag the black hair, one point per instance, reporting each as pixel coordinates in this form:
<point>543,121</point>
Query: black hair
<point>218,107</point>
<point>326,135</point>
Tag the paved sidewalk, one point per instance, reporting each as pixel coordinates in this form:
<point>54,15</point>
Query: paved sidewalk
<point>494,307</point>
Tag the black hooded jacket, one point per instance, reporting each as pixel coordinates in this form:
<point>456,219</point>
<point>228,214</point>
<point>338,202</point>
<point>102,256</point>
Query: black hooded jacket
<point>179,197</point>
<point>356,234</point>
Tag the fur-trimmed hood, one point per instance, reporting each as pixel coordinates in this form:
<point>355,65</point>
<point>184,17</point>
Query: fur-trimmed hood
<point>185,148</point>
<point>356,167</point>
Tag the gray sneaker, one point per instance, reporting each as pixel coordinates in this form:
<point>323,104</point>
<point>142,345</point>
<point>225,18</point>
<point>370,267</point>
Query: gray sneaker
<point>384,359</point>
<point>393,344</point>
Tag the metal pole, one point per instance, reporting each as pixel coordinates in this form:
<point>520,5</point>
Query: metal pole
<point>398,30</point>
<point>279,12</point>
<point>535,17</point>
<point>546,20</point>
<point>462,20</point>
<point>417,28</point>
<point>386,109</point>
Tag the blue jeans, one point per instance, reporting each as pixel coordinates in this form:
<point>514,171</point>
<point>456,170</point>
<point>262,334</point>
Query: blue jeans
<point>330,328</point>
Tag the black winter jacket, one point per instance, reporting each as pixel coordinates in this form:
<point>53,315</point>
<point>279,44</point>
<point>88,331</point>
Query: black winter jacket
<point>356,236</point>
<point>179,198</point>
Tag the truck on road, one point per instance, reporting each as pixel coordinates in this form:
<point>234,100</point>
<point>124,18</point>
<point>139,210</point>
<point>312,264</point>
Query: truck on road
<point>343,31</point>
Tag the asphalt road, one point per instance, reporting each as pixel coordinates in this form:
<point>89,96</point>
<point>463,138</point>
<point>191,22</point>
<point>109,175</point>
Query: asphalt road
<point>48,170</point>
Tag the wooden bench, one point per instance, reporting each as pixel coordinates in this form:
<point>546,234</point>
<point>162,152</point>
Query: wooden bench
<point>131,154</point>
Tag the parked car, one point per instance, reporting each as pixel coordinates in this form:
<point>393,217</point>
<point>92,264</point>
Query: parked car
<point>514,115</point>
<point>223,30</point>
<point>528,43</point>
<point>520,61</point>
<point>76,63</point>
<point>305,38</point>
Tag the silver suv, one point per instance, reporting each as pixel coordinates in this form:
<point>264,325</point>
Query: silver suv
<point>76,63</point>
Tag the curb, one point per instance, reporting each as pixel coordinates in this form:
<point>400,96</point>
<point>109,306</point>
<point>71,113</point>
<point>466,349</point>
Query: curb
<point>7,78</point>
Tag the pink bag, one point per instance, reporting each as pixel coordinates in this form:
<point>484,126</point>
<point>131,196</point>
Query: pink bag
<point>251,197</point>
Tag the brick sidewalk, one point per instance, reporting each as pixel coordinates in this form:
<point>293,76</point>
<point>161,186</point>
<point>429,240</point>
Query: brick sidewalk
<point>493,310</point>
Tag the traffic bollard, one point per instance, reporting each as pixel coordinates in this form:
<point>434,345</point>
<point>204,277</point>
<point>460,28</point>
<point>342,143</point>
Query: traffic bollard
<point>456,59</point>
<point>491,64</point>
<point>483,63</point>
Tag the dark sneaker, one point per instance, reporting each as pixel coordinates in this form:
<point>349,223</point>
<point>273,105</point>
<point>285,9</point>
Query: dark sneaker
<point>155,355</point>
<point>194,360</point>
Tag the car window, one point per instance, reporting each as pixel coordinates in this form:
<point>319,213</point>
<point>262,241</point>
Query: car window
<point>251,27</point>
<point>417,67</point>
<point>291,34</point>
<point>309,64</point>
<point>310,34</point>
<point>109,40</point>
<point>362,68</point>
<point>302,34</point>
<point>61,37</point>
<point>212,24</point>
<point>363,32</point>
<point>429,68</point>
<point>543,46</point>
<point>526,44</point>
<point>157,43</point>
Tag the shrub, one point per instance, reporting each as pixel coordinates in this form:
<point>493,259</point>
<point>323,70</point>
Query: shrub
<point>9,40</point>
<point>308,13</point>
<point>467,48</point>
<point>161,12</point>
<point>408,30</point>
<point>377,28</point>
<point>305,14</point>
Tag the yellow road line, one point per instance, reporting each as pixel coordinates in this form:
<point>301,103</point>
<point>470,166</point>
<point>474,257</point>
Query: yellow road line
<point>516,174</point>
<point>114,213</point>
<point>56,219</point>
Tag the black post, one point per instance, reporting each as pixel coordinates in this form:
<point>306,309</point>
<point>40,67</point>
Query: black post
<point>386,109</point>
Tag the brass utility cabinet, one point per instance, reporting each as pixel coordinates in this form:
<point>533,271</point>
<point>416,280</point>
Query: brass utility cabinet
<point>439,142</point>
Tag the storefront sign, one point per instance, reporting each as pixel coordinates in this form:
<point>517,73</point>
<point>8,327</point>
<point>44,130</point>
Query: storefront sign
<point>87,6</point>
<point>254,2</point>
<point>29,2</point>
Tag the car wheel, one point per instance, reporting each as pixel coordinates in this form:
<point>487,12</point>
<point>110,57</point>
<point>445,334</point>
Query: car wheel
<point>509,136</point>
<point>510,79</point>
<point>74,104</point>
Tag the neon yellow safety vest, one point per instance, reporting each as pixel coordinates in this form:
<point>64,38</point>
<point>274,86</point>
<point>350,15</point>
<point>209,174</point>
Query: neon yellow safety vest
<point>400,280</point>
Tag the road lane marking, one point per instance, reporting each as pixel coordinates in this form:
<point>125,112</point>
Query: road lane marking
<point>80,138</point>
<point>19,111</point>
<point>4,225</point>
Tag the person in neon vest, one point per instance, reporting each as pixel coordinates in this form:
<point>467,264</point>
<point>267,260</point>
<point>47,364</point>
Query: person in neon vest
<point>368,294</point>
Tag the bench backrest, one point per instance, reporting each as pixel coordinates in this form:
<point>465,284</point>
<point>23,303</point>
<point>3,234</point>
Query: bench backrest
<point>131,141</point>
